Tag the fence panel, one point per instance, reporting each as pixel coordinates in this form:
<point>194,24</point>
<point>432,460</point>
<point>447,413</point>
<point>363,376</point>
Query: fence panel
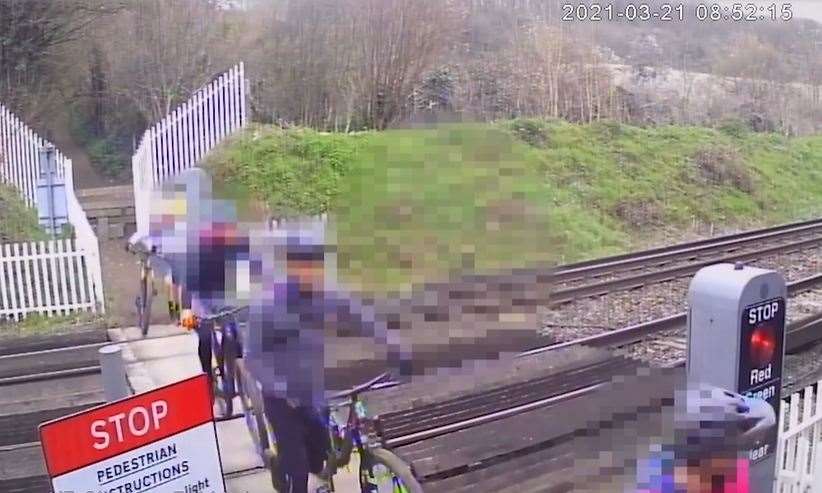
<point>54,277</point>
<point>799,463</point>
<point>19,156</point>
<point>39,277</point>
<point>180,140</point>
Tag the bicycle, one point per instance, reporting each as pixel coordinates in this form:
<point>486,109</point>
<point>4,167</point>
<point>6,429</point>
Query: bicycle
<point>226,349</point>
<point>147,292</point>
<point>350,430</point>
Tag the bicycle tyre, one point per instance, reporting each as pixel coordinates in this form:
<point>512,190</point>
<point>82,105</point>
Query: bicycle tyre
<point>252,409</point>
<point>222,389</point>
<point>397,467</point>
<point>146,298</point>
<point>228,374</point>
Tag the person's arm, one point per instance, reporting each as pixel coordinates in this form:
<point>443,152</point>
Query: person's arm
<point>355,319</point>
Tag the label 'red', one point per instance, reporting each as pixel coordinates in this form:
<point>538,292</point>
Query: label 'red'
<point>111,429</point>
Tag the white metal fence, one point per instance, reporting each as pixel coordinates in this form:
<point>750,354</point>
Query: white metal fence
<point>52,277</point>
<point>185,136</point>
<point>799,461</point>
<point>19,156</point>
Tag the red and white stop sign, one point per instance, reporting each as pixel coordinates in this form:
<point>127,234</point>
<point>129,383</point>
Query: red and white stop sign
<point>162,440</point>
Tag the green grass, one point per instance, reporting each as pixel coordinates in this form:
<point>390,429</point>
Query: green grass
<point>414,204</point>
<point>18,222</point>
<point>36,324</point>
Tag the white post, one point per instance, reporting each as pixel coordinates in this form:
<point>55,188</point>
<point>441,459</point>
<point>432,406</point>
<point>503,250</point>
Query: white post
<point>113,370</point>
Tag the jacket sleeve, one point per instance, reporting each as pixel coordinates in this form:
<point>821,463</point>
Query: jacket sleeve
<point>355,319</point>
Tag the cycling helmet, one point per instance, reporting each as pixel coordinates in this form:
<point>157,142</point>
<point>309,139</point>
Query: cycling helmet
<point>711,420</point>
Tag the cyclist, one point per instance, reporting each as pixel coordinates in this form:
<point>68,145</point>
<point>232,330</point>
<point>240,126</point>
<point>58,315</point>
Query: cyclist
<point>713,427</point>
<point>198,245</point>
<point>292,309</point>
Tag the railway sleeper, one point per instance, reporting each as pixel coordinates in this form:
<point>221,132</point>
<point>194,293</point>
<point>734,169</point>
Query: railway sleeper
<point>499,399</point>
<point>539,440</point>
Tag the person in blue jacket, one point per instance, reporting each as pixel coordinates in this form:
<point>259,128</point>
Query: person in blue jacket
<point>294,308</point>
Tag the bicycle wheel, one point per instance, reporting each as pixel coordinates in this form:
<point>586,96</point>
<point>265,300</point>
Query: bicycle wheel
<point>144,300</point>
<point>252,409</point>
<point>228,371</point>
<point>383,472</point>
<point>218,343</point>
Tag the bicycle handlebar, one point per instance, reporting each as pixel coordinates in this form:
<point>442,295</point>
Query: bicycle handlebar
<point>223,313</point>
<point>380,381</point>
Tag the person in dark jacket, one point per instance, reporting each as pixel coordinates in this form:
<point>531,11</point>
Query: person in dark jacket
<point>293,309</point>
<point>198,246</point>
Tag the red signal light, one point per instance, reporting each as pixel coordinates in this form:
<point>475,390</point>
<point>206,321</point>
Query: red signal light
<point>762,346</point>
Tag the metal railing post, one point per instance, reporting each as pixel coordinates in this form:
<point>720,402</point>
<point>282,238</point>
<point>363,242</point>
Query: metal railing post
<point>113,370</point>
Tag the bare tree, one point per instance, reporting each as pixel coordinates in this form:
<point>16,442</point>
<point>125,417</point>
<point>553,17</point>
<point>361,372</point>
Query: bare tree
<point>31,32</point>
<point>160,51</point>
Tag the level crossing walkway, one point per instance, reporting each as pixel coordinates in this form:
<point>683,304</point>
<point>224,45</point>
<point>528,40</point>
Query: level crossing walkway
<point>587,443</point>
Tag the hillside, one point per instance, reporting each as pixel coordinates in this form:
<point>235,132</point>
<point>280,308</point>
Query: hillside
<point>518,192</point>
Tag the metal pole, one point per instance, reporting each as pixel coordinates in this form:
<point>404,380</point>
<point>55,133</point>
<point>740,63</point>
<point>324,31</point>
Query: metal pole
<point>50,182</point>
<point>113,370</point>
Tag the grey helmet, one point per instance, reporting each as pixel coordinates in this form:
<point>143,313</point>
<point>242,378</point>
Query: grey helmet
<point>713,420</point>
<point>294,239</point>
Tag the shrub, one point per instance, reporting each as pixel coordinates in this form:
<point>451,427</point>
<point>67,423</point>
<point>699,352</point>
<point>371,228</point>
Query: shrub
<point>638,213</point>
<point>532,132</point>
<point>734,127</point>
<point>109,153</point>
<point>722,165</point>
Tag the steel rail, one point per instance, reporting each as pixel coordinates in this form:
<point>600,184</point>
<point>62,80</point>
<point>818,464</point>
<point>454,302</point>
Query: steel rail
<point>798,334</point>
<point>566,295</point>
<point>693,245</point>
<point>658,256</point>
<point>682,260</point>
<point>52,350</point>
<point>461,425</point>
<point>50,375</point>
<point>635,333</point>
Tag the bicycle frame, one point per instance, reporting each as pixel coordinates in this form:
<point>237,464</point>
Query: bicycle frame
<point>225,348</point>
<point>357,427</point>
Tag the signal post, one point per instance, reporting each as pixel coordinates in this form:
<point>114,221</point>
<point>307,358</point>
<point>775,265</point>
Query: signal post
<point>736,332</point>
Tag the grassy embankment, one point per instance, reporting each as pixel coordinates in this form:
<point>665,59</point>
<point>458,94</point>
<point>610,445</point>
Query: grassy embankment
<point>18,222</point>
<point>413,204</point>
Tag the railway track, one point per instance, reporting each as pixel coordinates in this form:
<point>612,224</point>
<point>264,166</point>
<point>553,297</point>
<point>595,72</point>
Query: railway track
<point>32,372</point>
<point>624,262</point>
<point>42,378</point>
<point>554,287</point>
<point>799,334</point>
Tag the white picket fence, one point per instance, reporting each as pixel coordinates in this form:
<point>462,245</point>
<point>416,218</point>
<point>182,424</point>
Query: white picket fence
<point>799,461</point>
<point>185,136</point>
<point>19,156</point>
<point>51,277</point>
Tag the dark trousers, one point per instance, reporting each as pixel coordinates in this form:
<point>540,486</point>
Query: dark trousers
<point>302,441</point>
<point>204,334</point>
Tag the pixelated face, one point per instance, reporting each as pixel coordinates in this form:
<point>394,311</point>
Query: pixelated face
<point>308,271</point>
<point>167,213</point>
<point>708,475</point>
